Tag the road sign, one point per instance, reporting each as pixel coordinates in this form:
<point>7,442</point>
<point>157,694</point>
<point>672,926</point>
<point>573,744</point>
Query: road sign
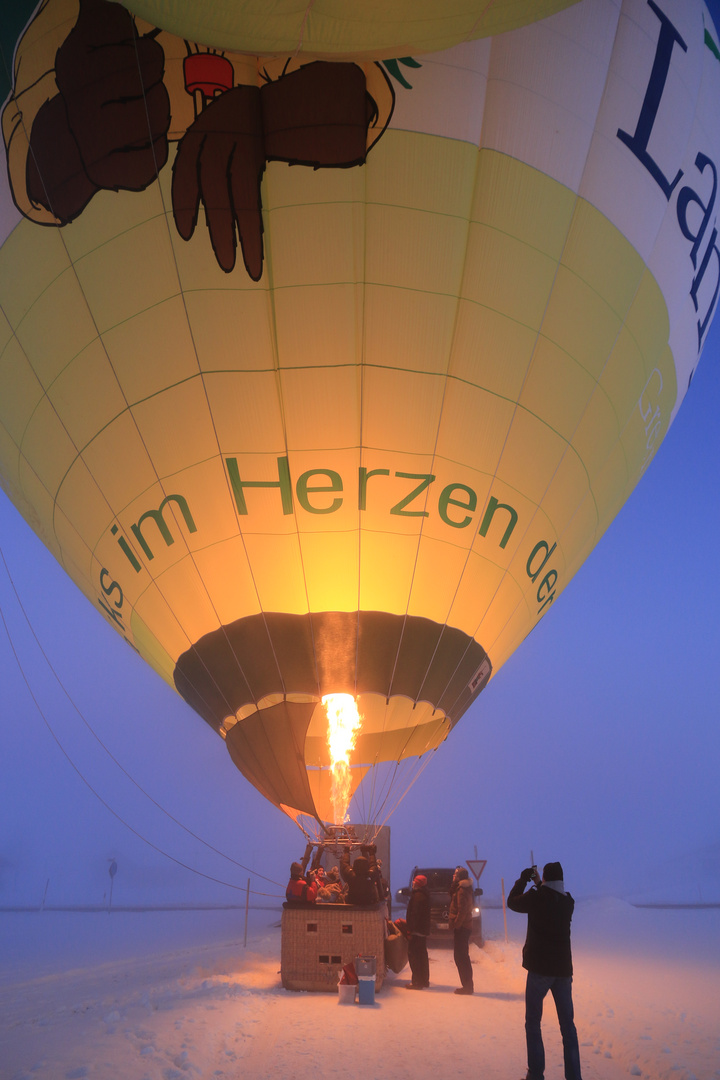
<point>476,866</point>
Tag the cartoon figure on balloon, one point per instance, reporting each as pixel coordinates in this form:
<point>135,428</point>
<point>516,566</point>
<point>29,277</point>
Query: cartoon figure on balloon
<point>98,108</point>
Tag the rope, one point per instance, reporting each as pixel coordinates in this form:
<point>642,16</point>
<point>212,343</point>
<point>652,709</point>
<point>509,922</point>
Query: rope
<point>110,755</point>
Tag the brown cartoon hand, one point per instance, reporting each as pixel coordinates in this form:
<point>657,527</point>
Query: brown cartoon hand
<point>318,115</point>
<point>111,83</point>
<point>108,126</point>
<point>221,160</point>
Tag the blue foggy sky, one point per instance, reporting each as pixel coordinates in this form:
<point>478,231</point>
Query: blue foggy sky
<point>596,744</point>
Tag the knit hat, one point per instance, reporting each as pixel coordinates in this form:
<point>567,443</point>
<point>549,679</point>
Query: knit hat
<point>296,870</point>
<point>552,871</point>
<point>420,880</point>
<point>361,866</point>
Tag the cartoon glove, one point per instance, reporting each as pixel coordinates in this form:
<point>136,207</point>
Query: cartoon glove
<point>317,115</point>
<point>108,126</point>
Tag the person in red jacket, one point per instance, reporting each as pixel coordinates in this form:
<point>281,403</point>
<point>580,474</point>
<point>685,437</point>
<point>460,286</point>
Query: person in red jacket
<point>301,889</point>
<point>547,956</point>
<point>417,927</point>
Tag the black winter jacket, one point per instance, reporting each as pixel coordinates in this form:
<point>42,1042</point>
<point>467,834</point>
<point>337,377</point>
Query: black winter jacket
<point>547,946</point>
<point>418,913</point>
<point>361,890</point>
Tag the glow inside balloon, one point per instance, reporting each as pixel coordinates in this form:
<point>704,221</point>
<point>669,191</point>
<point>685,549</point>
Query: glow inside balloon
<point>324,378</point>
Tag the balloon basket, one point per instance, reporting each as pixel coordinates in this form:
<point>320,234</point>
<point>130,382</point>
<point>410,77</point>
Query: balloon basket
<point>318,940</point>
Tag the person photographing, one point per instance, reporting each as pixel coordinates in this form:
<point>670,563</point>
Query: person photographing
<point>547,957</point>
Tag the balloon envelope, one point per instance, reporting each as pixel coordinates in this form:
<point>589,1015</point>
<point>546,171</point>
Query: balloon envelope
<point>354,428</point>
<point>342,29</point>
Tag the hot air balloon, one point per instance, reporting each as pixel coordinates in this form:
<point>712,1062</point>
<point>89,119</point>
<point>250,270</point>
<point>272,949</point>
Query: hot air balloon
<point>329,350</point>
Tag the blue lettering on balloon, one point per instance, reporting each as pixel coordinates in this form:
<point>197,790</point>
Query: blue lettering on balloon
<point>685,196</point>
<point>638,143</point>
<point>712,248</point>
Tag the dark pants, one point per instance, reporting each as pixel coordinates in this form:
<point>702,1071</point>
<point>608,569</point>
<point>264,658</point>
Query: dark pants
<point>461,937</point>
<point>560,987</point>
<point>418,960</point>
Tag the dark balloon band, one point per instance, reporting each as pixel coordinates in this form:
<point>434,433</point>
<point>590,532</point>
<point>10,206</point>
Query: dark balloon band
<point>331,652</point>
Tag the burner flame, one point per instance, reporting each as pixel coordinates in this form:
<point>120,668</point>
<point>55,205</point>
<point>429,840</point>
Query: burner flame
<point>344,722</point>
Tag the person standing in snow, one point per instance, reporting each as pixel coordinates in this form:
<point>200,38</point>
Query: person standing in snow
<point>547,956</point>
<point>417,923</point>
<point>460,922</point>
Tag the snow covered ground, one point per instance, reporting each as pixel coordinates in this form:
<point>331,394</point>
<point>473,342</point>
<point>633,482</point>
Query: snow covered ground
<point>175,995</point>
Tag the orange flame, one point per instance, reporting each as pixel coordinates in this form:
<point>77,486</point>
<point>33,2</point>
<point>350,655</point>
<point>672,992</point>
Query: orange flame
<point>344,722</point>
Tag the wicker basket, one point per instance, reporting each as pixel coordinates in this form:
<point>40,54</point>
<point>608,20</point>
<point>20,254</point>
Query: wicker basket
<point>317,940</point>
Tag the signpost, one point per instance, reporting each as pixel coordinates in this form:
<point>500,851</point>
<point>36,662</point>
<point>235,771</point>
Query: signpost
<point>112,871</point>
<point>476,867</point>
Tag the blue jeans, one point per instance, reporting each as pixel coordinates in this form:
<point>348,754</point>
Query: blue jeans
<point>560,987</point>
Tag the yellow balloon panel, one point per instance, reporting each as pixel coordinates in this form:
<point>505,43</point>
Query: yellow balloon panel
<point>307,317</point>
<point>295,257</point>
<point>524,204</point>
<point>462,403</point>
<point>341,30</point>
<point>276,564</point>
<point>47,253</point>
<point>246,411</point>
<point>226,573</point>
<point>478,586</point>
<point>557,388</point>
<point>507,275</point>
<point>580,322</point>
<point>398,336</point>
<point>321,407</point>
<point>566,491</point>
<point>331,570</point>
<point>152,350</point>
<point>118,460</point>
<point>51,358</point>
<point>46,446</point>
<point>387,561</point>
<point>600,257</point>
<point>232,330</point>
<point>16,409</point>
<point>88,373</point>
<point>84,505</point>
<point>401,410</point>
<point>135,288</point>
<point>172,447</point>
